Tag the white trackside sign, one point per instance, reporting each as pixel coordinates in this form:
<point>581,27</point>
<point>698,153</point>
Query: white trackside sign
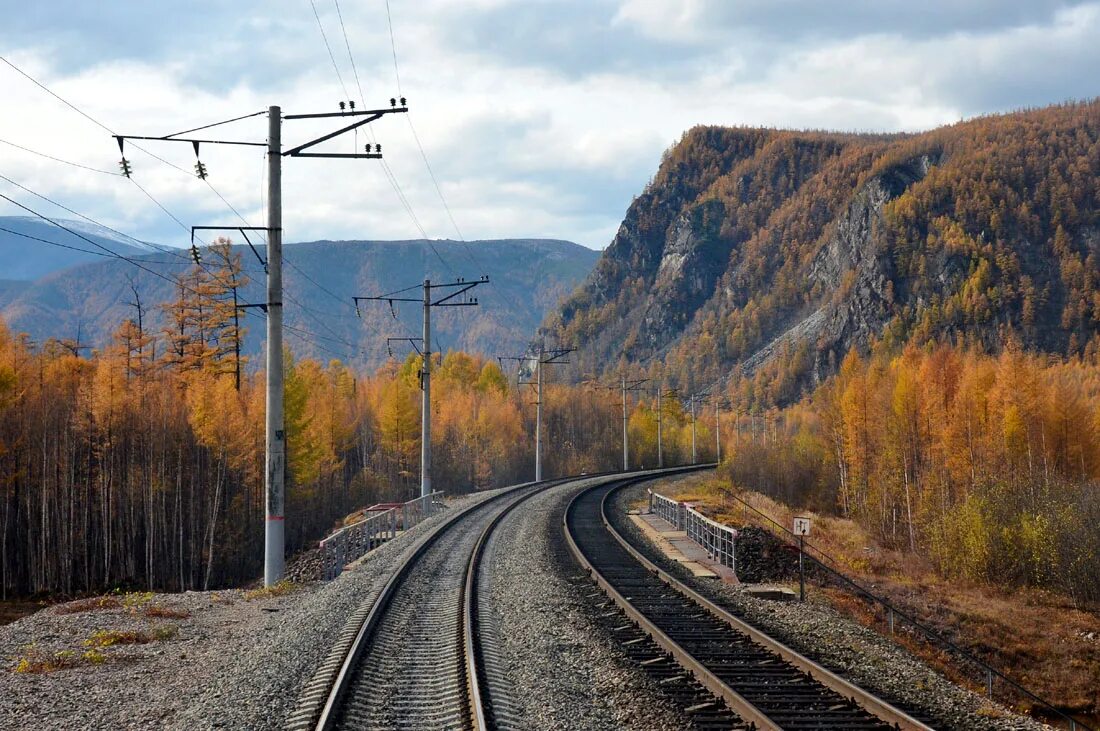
<point>801,526</point>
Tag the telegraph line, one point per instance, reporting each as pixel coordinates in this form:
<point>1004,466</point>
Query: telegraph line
<point>90,241</point>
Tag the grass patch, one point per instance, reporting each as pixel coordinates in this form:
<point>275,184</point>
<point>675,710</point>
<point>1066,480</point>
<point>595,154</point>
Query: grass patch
<point>279,589</point>
<point>117,600</point>
<point>36,662</point>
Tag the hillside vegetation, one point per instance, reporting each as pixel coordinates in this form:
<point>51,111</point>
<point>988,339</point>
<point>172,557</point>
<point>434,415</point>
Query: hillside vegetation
<point>87,300</point>
<point>756,248</point>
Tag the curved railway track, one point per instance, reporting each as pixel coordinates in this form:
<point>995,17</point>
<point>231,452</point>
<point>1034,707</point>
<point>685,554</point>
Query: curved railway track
<point>419,657</point>
<point>759,678</point>
<point>409,666</point>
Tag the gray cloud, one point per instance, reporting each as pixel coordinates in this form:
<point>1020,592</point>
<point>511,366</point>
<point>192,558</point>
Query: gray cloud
<point>539,118</point>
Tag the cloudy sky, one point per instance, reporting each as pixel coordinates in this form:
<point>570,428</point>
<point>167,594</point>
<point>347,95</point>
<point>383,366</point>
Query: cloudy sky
<point>539,117</point>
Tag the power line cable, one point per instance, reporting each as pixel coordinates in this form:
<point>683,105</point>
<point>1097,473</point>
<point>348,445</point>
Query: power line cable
<point>332,57</point>
<point>94,243</point>
<point>73,248</point>
<point>393,48</point>
<point>58,159</point>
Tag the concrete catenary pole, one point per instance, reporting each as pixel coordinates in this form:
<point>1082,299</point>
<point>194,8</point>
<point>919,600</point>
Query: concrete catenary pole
<point>538,412</point>
<point>718,429</point>
<point>693,457</point>
<point>660,439</point>
<point>274,526</point>
<point>426,387</point>
<point>626,442</point>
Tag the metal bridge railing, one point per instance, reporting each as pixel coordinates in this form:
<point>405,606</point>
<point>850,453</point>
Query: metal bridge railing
<point>719,541</point>
<point>355,540</point>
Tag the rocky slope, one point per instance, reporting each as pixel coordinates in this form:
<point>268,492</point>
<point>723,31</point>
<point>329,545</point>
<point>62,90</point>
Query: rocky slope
<point>776,252</point>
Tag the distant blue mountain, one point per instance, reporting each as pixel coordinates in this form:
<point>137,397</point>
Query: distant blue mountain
<point>86,296</point>
<point>28,259</point>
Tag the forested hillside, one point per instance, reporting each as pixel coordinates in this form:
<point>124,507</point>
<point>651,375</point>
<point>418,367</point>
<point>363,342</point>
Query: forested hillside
<point>87,300</point>
<point>775,252</point>
<point>140,464</point>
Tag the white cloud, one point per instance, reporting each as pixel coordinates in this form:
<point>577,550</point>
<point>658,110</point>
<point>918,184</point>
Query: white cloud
<point>530,132</point>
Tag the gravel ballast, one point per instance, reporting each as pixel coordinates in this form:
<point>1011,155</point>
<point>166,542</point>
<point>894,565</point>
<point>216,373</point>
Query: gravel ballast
<point>229,660</point>
<point>566,673</point>
<point>836,641</point>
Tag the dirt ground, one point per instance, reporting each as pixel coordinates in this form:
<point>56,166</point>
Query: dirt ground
<point>1038,639</point>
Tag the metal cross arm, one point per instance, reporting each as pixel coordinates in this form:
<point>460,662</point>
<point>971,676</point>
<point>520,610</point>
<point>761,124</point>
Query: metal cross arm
<point>463,288</point>
<point>373,113</point>
<point>242,229</point>
<point>122,138</point>
<point>411,341</point>
<point>259,307</point>
<point>297,151</point>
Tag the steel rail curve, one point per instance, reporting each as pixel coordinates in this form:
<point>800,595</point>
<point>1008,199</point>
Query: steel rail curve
<point>713,674</point>
<point>329,714</point>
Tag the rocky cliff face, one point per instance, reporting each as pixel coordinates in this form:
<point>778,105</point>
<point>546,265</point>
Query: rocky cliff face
<point>763,250</point>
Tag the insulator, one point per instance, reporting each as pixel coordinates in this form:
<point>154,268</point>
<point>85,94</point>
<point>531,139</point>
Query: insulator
<point>124,166</point>
<point>378,149</point>
<point>352,105</point>
<point>200,170</point>
<point>343,106</point>
<point>195,255</point>
<point>393,102</point>
<point>403,102</point>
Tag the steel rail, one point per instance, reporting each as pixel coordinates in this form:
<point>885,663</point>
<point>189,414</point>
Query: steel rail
<point>329,714</point>
<point>749,712</point>
<point>479,717</point>
<point>328,717</point>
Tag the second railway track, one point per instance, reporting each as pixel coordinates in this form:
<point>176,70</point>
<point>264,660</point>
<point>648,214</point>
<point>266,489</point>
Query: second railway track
<point>763,681</point>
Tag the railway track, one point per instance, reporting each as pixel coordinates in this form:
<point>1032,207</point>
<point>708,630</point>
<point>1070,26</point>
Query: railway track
<point>424,654</point>
<point>760,679</point>
<point>410,666</point>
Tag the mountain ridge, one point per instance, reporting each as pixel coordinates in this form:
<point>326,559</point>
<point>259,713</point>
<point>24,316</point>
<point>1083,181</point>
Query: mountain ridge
<point>528,278</point>
<point>752,243</point>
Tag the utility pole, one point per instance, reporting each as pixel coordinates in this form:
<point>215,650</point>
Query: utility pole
<point>693,456</point>
<point>458,288</point>
<point>275,520</point>
<point>660,435</point>
<point>628,386</point>
<point>661,394</point>
<point>534,364</point>
<point>275,459</point>
<point>426,396</point>
<point>718,429</point>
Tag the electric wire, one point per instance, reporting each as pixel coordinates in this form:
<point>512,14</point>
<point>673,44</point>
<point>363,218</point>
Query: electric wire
<point>504,296</point>
<point>73,248</point>
<point>332,57</point>
<point>58,159</point>
<point>163,208</point>
<point>116,255</point>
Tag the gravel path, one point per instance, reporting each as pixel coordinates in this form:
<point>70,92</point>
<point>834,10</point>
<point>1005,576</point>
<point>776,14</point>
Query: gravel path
<point>229,659</point>
<point>565,672</point>
<point>841,644</point>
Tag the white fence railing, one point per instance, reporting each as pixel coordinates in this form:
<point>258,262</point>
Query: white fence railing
<point>719,541</point>
<point>355,540</point>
